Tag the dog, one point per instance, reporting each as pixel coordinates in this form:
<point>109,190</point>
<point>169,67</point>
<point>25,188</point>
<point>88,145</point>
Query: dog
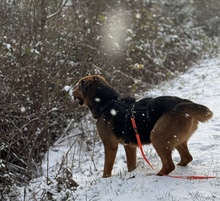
<point>165,121</point>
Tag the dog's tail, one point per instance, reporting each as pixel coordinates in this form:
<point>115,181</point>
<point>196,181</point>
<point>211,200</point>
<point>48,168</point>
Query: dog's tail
<point>197,111</point>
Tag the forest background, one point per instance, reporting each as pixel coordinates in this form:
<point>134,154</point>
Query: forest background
<point>46,45</point>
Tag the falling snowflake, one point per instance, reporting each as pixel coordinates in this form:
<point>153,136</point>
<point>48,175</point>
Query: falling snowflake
<point>113,112</point>
<point>97,99</point>
<point>186,115</point>
<point>23,109</point>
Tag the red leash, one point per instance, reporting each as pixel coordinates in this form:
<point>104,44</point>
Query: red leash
<point>145,158</point>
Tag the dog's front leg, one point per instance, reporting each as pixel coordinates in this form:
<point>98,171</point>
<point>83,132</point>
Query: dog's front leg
<point>131,157</point>
<point>110,154</point>
<point>110,143</point>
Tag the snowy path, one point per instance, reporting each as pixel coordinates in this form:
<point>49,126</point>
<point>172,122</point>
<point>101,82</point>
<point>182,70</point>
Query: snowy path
<point>200,84</point>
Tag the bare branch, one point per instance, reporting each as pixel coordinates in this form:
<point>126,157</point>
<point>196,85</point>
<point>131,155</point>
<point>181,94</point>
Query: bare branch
<point>62,5</point>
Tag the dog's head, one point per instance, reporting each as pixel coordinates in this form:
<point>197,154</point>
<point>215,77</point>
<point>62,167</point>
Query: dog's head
<point>87,87</point>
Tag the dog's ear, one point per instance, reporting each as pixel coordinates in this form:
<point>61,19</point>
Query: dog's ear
<point>88,81</point>
<point>85,84</point>
<point>98,78</point>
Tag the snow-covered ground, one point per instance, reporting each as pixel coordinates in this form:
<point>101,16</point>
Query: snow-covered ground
<point>84,158</point>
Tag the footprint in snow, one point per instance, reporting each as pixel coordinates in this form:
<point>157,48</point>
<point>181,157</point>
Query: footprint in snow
<point>216,137</point>
<point>216,128</point>
<point>206,147</point>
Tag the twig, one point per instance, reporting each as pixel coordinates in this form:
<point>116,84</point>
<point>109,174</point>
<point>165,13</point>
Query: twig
<point>62,5</point>
<point>61,165</point>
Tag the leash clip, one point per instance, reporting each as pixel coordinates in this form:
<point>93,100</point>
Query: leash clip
<point>133,112</point>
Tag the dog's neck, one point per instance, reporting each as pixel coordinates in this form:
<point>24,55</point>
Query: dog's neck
<point>103,98</point>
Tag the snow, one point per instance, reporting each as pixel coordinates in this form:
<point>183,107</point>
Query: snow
<point>97,99</point>
<point>85,158</point>
<point>23,109</point>
<point>113,112</point>
<point>69,89</point>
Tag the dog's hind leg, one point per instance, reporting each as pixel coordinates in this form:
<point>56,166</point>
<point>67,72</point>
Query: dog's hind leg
<point>182,148</point>
<point>186,157</point>
<point>161,139</point>
<point>166,159</point>
<point>131,157</point>
<point>164,151</point>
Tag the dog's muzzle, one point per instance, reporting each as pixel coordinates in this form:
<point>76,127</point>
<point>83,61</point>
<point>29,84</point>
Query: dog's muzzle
<point>78,96</point>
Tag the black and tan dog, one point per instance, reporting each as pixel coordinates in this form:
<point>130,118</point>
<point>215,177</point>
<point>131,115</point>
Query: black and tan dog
<point>167,122</point>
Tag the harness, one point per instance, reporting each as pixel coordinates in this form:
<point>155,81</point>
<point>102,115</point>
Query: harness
<point>129,108</point>
<point>104,107</point>
<point>134,109</point>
